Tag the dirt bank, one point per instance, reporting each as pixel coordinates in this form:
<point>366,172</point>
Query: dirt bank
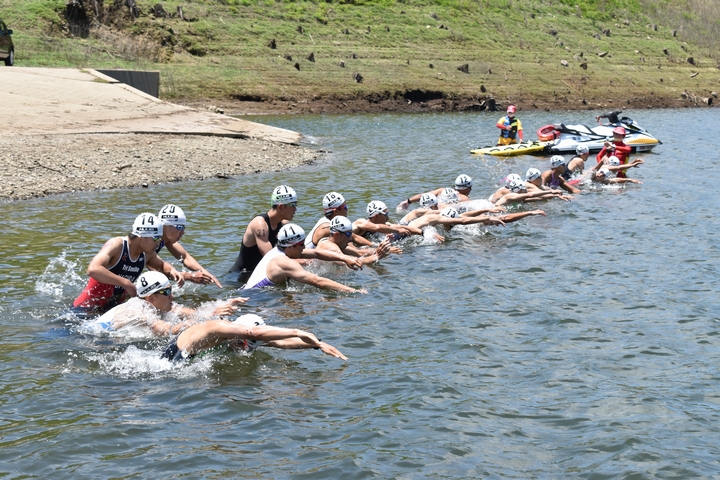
<point>35,166</point>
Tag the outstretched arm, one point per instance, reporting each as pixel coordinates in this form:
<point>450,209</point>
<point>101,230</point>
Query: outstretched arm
<point>198,274</point>
<point>331,256</point>
<point>296,343</point>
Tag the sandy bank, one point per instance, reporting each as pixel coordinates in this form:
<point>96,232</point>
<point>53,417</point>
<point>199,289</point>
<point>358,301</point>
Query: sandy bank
<point>40,165</point>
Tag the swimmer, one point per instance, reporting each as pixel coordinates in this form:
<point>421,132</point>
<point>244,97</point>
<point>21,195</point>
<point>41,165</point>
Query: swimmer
<point>449,217</point>
<point>519,193</point>
<point>339,241</point>
<point>118,264</point>
<point>614,165</point>
<point>533,181</point>
<point>463,186</point>
<point>576,165</point>
<point>173,220</point>
<point>334,205</point>
<point>243,333</point>
<point>377,221</point>
<point>153,308</point>
<point>281,264</point>
<point>553,178</point>
<point>261,233</point>
<point>603,176</point>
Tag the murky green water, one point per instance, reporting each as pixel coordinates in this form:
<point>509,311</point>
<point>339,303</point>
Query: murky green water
<point>581,344</point>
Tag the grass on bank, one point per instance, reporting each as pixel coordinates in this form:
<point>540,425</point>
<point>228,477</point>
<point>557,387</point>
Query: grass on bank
<point>514,49</point>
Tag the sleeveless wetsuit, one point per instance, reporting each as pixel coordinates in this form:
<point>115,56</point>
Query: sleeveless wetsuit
<point>99,297</point>
<point>259,279</point>
<point>249,257</point>
<point>309,238</point>
<point>554,181</point>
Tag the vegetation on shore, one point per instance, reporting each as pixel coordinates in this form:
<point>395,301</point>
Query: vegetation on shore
<point>447,54</point>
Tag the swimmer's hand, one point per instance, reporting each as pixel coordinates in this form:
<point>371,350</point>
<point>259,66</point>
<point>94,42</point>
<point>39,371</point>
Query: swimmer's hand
<point>130,289</point>
<point>439,238</point>
<point>497,210</point>
<point>225,310</point>
<point>238,300</point>
<point>403,205</point>
<point>328,349</point>
<point>384,249</point>
<point>353,262</point>
<point>537,212</point>
<point>202,277</point>
<point>176,276</point>
<point>361,290</point>
<point>494,221</point>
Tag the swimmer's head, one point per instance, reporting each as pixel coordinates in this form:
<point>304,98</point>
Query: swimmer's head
<point>449,212</point>
<point>513,176</point>
<point>604,172</point>
<point>249,320</point>
<point>556,161</point>
<point>290,235</point>
<point>614,161</point>
<point>582,150</point>
<point>283,195</point>
<point>172,215</point>
<point>428,200</point>
<point>376,207</point>
<point>463,182</point>
<point>147,225</point>
<point>152,282</point>
<point>333,201</point>
<point>532,174</point>
<point>449,195</point>
<point>341,224</point>
<point>517,185</point>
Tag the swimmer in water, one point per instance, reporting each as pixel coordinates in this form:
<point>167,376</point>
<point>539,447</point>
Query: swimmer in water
<point>517,192</point>
<point>281,264</point>
<point>463,186</point>
<point>553,178</point>
<point>242,334</point>
<point>151,308</point>
<point>173,220</point>
<point>377,221</point>
<point>119,263</point>
<point>339,241</point>
<point>604,176</point>
<point>334,205</point>
<point>576,165</point>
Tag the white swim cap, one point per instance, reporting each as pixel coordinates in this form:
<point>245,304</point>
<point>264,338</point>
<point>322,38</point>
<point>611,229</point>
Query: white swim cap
<point>449,212</point>
<point>614,161</point>
<point>449,195</point>
<point>604,170</point>
<point>375,207</point>
<point>532,174</point>
<point>332,200</point>
<point>556,161</point>
<point>250,320</point>
<point>428,200</point>
<point>147,225</point>
<point>511,177</point>
<point>340,224</point>
<point>582,149</point>
<point>151,282</point>
<point>517,185</point>
<point>289,235</point>
<point>172,215</point>
<point>463,181</point>
<point>283,195</point>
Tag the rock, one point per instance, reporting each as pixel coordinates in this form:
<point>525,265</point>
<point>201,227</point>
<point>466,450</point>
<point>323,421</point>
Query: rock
<point>300,29</point>
<point>483,89</point>
<point>346,32</point>
<point>158,11</point>
<point>553,32</point>
<point>713,94</point>
<point>583,65</point>
<point>357,77</point>
<point>602,54</point>
<point>653,27</point>
<point>272,44</point>
<point>297,66</point>
<point>288,57</point>
<point>564,63</point>
<point>387,29</point>
<point>674,33</point>
<point>434,15</point>
<point>465,68</point>
<point>690,60</point>
<point>431,66</point>
<point>596,35</point>
<point>666,51</point>
<point>693,75</point>
<point>311,57</point>
<point>606,32</point>
<point>342,64</point>
<point>353,56</point>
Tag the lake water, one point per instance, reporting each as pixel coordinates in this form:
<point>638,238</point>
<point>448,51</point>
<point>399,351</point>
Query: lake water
<point>580,344</point>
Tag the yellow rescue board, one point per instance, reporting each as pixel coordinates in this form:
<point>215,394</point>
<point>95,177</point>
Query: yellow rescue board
<point>513,149</point>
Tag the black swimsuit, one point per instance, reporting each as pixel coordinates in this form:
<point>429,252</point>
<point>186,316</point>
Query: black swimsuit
<point>249,257</point>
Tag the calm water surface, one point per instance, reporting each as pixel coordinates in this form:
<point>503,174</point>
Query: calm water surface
<point>581,344</point>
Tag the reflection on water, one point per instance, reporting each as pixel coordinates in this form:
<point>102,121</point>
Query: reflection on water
<point>582,343</point>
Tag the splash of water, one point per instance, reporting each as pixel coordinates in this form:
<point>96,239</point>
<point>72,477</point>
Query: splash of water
<point>59,277</point>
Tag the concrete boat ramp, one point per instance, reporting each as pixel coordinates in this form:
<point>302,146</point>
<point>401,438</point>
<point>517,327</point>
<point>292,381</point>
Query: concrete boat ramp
<point>52,101</point>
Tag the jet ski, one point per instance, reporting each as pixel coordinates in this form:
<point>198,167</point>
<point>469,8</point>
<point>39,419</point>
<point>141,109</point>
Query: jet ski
<point>566,138</point>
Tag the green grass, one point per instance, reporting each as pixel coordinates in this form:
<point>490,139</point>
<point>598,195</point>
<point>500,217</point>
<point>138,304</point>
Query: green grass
<point>513,48</point>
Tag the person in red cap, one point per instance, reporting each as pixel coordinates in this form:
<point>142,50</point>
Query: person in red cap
<point>510,128</point>
<point>616,148</point>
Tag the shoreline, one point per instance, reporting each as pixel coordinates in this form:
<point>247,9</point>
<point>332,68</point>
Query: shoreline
<point>42,165</point>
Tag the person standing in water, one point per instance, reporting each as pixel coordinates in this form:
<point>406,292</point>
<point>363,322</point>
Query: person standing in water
<point>616,148</point>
